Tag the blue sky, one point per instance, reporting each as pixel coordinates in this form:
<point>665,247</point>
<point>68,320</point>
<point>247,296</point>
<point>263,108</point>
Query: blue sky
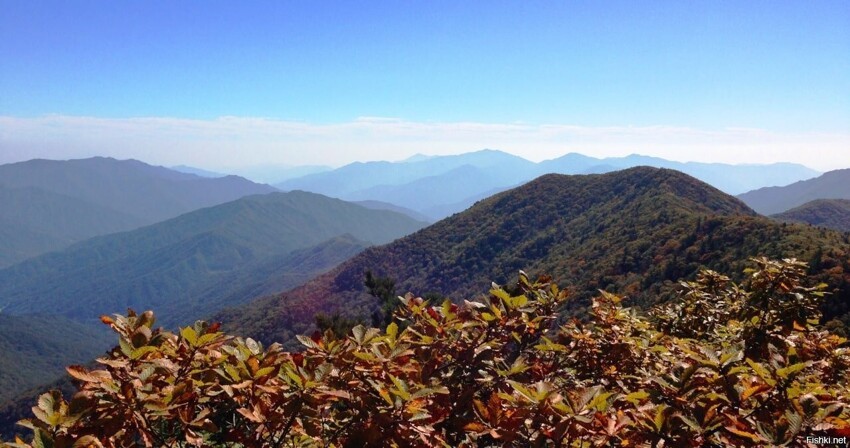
<point>778,68</point>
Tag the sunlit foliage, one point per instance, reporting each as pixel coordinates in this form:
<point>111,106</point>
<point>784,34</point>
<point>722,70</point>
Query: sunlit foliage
<point>725,365</point>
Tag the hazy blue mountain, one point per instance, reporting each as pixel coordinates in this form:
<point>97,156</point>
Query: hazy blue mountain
<point>829,213</point>
<point>599,169</point>
<point>34,221</point>
<point>445,210</point>
<point>572,163</point>
<point>196,171</point>
<point>169,265</point>
<point>418,158</point>
<point>380,205</point>
<point>429,193</point>
<point>353,178</point>
<point>438,186</point>
<point>772,200</point>
<point>148,193</point>
<point>273,174</point>
<point>731,179</point>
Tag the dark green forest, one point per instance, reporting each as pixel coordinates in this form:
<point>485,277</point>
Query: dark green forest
<point>829,213</point>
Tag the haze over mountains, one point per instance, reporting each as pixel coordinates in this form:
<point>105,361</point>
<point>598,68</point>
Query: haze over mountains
<point>164,265</point>
<point>633,232</point>
<point>772,200</point>
<point>82,238</point>
<point>188,266</point>
<point>53,204</point>
<point>35,221</point>
<point>442,185</point>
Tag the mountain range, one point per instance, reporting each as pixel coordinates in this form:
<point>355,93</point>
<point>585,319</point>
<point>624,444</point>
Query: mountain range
<point>188,267</point>
<point>164,266</point>
<point>772,200</point>
<point>439,186</point>
<point>35,221</point>
<point>50,204</point>
<point>633,232</point>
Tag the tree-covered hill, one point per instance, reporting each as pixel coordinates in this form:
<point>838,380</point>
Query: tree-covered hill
<point>632,232</point>
<point>772,200</point>
<point>830,213</point>
<point>168,265</point>
<point>190,266</point>
<point>33,354</point>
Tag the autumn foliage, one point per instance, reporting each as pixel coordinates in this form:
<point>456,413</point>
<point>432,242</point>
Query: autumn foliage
<point>725,365</point>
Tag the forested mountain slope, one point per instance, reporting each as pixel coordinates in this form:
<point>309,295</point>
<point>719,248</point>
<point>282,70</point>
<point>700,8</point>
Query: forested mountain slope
<point>830,213</point>
<point>189,267</point>
<point>633,232</point>
<point>167,265</point>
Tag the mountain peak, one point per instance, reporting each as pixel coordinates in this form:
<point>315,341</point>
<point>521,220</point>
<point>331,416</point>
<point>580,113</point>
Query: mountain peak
<point>593,230</point>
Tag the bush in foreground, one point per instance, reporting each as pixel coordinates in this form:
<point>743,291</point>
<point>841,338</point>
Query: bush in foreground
<point>726,365</point>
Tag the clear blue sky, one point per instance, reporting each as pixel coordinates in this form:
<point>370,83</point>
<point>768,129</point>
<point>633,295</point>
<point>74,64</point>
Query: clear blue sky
<point>783,66</point>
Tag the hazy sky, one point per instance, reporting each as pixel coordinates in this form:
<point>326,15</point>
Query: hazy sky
<point>218,84</point>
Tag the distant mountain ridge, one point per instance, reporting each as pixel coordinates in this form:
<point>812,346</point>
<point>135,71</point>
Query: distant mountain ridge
<point>380,205</point>
<point>830,213</point>
<point>773,200</point>
<point>35,221</point>
<point>49,204</point>
<point>438,186</point>
<point>150,193</point>
<point>632,231</point>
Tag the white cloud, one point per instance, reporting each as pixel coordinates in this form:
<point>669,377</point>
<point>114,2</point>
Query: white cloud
<point>245,141</point>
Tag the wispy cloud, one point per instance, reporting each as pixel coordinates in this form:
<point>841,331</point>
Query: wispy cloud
<point>241,141</point>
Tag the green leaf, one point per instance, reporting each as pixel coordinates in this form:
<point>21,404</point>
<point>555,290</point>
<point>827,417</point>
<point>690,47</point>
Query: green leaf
<point>264,371</point>
<point>660,417</point>
<point>190,335</point>
<point>762,372</point>
<point>786,372</point>
<point>392,331</point>
<point>233,372</point>
<point>636,397</point>
<point>294,377</point>
<point>47,401</point>
<point>142,351</point>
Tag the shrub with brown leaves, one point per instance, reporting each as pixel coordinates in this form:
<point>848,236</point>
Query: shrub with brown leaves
<point>726,365</point>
